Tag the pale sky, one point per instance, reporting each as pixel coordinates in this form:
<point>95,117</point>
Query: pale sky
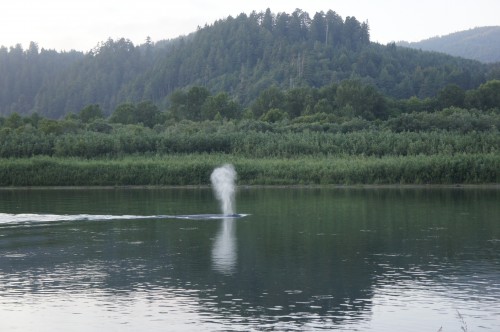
<point>82,24</point>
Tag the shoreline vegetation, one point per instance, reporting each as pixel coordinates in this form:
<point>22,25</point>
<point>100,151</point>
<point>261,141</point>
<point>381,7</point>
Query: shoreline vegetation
<point>195,169</point>
<point>458,186</point>
<point>448,147</point>
<point>453,146</point>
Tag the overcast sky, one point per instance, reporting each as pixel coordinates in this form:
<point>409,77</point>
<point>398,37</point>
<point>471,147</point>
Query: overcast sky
<point>82,24</point>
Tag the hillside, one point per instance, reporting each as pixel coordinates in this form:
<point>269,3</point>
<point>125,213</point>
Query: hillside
<point>482,44</point>
<point>241,56</point>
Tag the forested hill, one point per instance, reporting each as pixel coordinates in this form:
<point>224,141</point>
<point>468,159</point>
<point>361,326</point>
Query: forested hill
<point>241,55</point>
<point>482,44</point>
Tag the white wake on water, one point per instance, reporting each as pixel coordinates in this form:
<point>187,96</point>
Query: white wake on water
<point>27,218</point>
<point>35,217</point>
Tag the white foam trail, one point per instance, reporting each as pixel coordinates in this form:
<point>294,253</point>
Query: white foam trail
<point>29,218</point>
<point>6,218</point>
<point>223,184</point>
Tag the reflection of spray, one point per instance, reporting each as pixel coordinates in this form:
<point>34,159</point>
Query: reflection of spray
<point>224,255</point>
<point>223,183</point>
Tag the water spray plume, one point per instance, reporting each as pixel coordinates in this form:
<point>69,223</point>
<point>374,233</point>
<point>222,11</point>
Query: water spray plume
<point>223,184</point>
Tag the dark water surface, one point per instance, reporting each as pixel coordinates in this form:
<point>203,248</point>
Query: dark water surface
<point>304,259</point>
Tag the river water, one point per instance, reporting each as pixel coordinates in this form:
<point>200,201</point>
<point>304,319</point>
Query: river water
<point>350,259</point>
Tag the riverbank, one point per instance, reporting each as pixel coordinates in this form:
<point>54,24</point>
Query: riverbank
<point>195,169</point>
<point>487,186</point>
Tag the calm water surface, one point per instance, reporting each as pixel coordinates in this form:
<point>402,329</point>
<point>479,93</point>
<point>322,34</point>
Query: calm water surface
<point>304,259</point>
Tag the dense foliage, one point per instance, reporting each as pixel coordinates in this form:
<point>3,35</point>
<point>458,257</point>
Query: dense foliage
<point>289,99</point>
<point>196,169</point>
<point>277,142</point>
<point>25,73</point>
<point>348,119</point>
<point>313,136</point>
<point>238,57</point>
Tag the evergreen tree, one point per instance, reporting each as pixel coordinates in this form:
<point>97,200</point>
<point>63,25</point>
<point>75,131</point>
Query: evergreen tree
<point>90,113</point>
<point>241,56</point>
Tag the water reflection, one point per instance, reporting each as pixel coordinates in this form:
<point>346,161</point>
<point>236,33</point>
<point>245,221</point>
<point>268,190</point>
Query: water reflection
<point>224,251</point>
<point>304,260</point>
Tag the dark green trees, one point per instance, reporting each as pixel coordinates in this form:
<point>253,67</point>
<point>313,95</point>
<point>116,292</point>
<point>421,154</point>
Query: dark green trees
<point>240,57</point>
<point>487,96</point>
<point>362,100</point>
<point>220,106</point>
<point>145,113</point>
<point>188,104</point>
<point>25,73</point>
<point>272,98</point>
<point>90,113</point>
<point>351,98</point>
<point>198,104</point>
<point>451,95</point>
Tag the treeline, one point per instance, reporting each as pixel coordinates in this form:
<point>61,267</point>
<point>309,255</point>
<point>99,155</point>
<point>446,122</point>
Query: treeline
<point>239,56</point>
<point>332,107</point>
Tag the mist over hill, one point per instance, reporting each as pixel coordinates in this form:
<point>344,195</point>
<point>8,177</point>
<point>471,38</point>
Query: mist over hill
<point>241,56</point>
<point>482,44</point>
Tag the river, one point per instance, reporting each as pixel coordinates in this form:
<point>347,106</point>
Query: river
<point>305,259</point>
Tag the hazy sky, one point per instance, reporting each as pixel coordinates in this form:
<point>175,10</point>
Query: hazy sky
<point>81,24</point>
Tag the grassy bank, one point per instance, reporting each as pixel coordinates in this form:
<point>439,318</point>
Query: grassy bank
<point>195,169</point>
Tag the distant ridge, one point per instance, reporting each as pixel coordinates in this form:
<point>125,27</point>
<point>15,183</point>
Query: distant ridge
<point>482,44</point>
<point>242,56</point>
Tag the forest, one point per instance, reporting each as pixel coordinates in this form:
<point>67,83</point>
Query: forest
<point>241,56</point>
<point>287,98</point>
<point>310,136</point>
